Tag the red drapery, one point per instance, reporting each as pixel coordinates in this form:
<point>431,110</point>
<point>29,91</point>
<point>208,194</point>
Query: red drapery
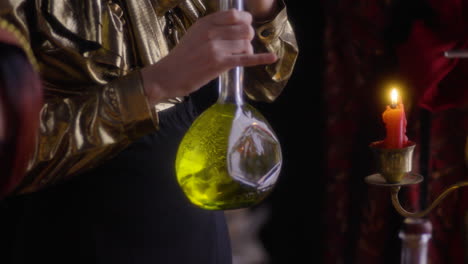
<point>362,226</point>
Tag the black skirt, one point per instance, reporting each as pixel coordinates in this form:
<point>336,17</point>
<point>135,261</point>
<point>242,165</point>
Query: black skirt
<point>129,210</point>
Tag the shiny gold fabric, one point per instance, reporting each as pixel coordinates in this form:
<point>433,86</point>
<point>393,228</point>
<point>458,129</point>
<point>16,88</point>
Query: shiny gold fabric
<point>89,54</point>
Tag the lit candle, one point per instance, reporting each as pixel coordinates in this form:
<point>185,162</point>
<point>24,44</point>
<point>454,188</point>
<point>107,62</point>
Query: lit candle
<point>395,123</point>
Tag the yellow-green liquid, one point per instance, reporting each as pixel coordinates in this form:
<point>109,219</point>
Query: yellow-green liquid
<point>201,165</point>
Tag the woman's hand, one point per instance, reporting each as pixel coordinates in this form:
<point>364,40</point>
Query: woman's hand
<point>211,46</point>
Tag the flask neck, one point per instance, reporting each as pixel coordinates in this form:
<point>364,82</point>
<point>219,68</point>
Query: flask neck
<point>231,82</point>
<point>231,86</point>
<point>229,4</point>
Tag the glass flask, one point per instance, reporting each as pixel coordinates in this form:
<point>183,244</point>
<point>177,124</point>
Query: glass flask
<point>230,157</point>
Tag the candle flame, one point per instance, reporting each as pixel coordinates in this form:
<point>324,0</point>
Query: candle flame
<point>394,96</point>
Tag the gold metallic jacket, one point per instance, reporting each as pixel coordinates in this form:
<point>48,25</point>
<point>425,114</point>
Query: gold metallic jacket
<point>89,53</point>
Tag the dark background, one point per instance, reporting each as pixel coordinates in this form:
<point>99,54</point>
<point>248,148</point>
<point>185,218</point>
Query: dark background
<point>293,229</point>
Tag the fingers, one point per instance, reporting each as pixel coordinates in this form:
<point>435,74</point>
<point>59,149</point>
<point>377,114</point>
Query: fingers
<point>234,47</point>
<point>231,24</point>
<point>232,53</point>
<point>231,32</point>
<point>248,60</point>
<point>230,17</point>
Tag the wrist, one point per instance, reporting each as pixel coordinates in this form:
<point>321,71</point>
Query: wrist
<point>151,86</point>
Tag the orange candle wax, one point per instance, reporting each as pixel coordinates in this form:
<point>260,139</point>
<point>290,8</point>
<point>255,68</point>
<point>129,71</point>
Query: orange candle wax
<point>395,123</point>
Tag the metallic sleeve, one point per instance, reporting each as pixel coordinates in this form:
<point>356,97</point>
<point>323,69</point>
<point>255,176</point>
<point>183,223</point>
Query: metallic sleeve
<point>77,133</point>
<point>265,83</point>
<point>79,128</point>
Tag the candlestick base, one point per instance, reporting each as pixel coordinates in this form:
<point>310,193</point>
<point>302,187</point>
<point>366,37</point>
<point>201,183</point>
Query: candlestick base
<point>408,179</point>
<point>393,164</point>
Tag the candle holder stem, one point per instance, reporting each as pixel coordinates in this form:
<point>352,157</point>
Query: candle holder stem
<point>404,213</point>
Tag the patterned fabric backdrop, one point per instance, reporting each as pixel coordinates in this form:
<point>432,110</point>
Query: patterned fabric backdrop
<point>361,39</point>
<point>340,86</point>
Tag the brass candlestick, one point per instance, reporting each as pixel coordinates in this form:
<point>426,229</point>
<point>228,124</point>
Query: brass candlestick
<point>394,171</point>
